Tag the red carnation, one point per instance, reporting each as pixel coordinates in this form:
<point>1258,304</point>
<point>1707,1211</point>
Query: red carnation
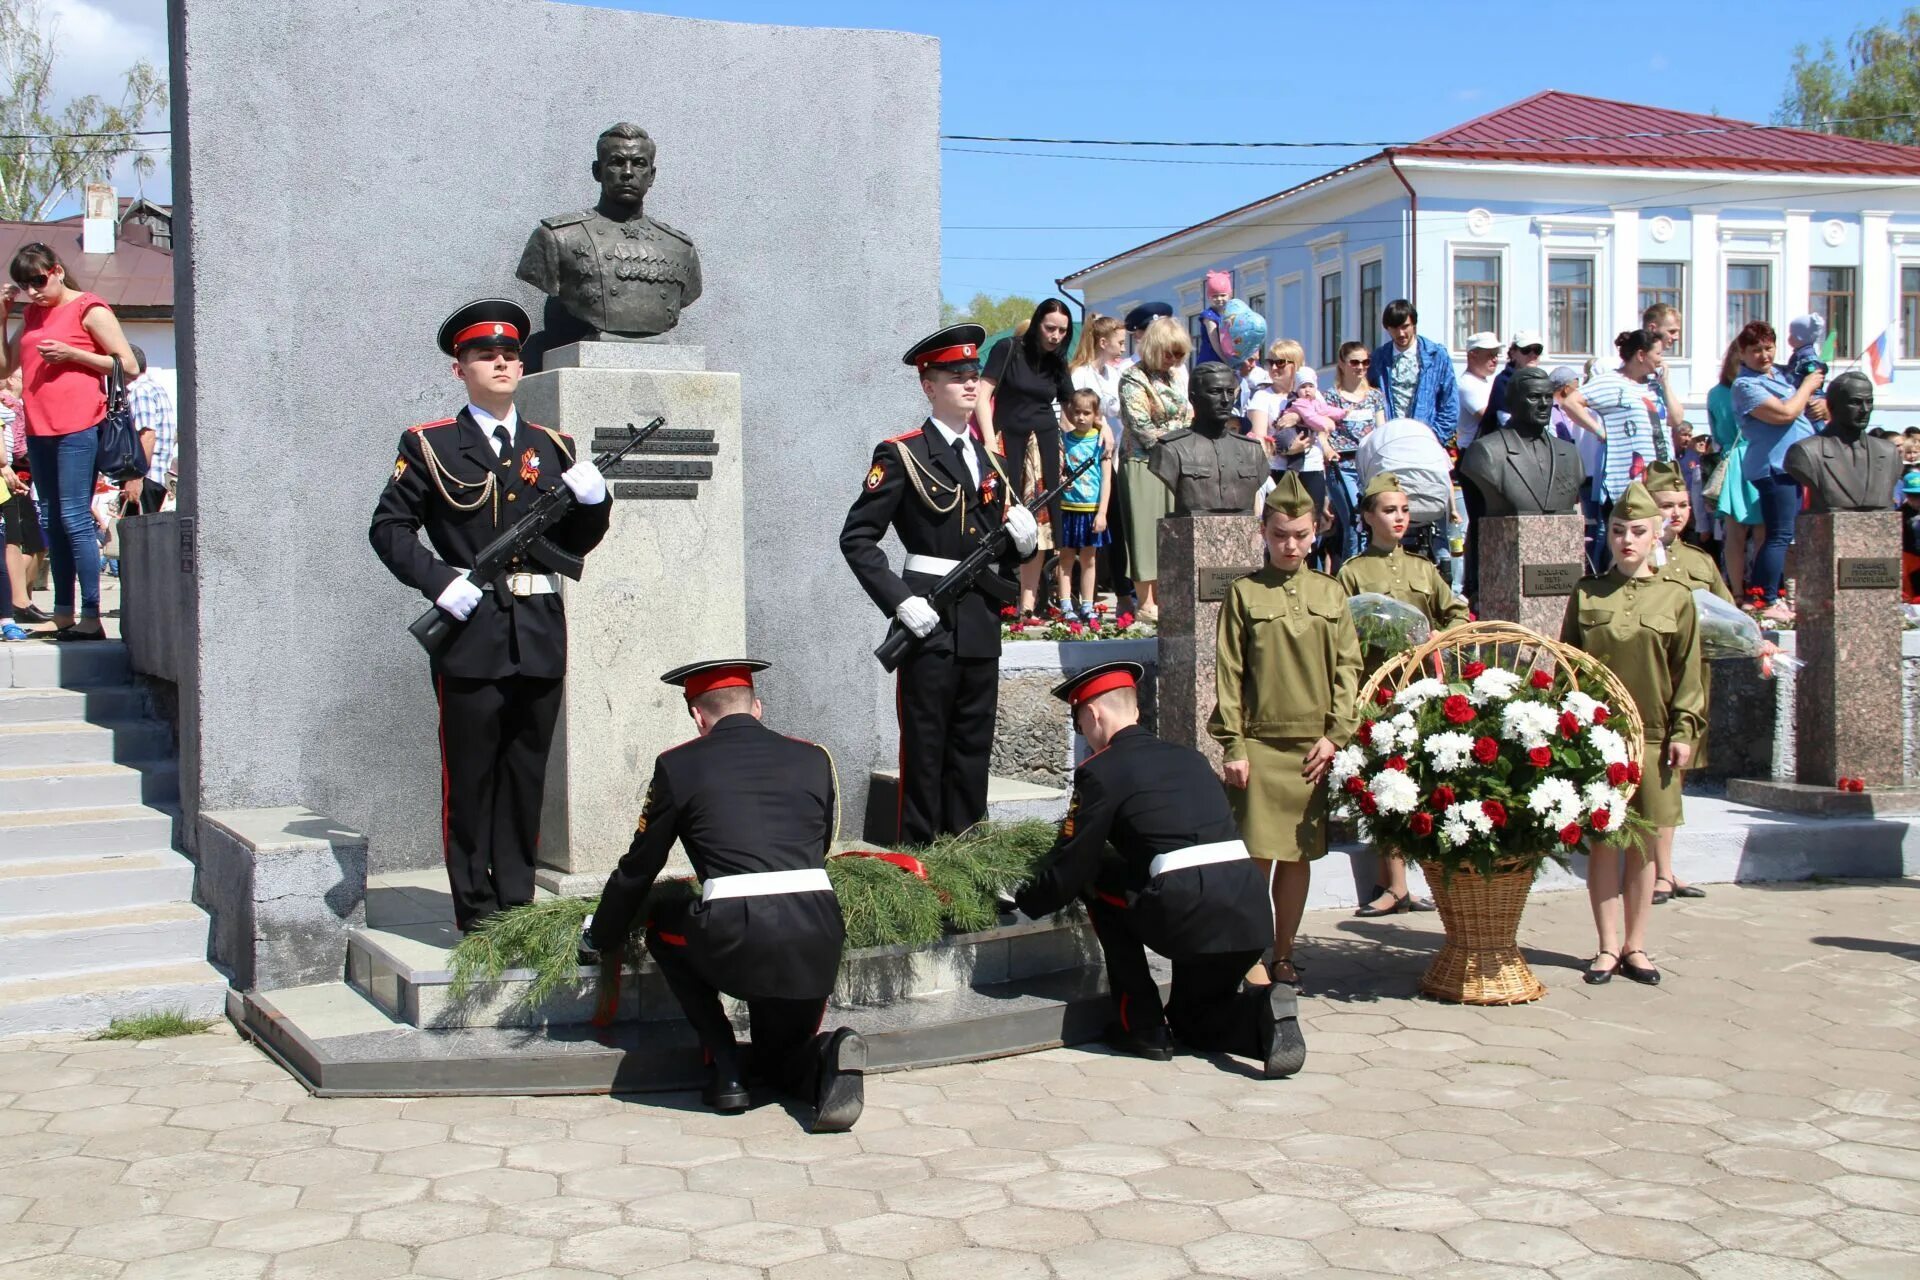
<point>1474,670</point>
<point>1485,750</point>
<point>1570,834</point>
<point>1397,762</point>
<point>1601,714</point>
<point>1859,785</point>
<point>1602,819</point>
<point>1457,709</point>
<point>1540,680</point>
<point>1569,724</point>
<point>1367,803</point>
<point>1355,786</point>
<point>1421,824</point>
<point>1495,811</point>
<point>1075,628</point>
<point>1124,621</point>
<point>1011,611</point>
<point>1617,774</point>
<point>1442,796</point>
<point>1633,773</point>
<point>1383,695</point>
<point>1364,734</point>
<point>1540,757</point>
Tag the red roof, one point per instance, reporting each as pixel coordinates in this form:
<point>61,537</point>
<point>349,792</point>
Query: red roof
<point>135,278</point>
<point>1570,128</point>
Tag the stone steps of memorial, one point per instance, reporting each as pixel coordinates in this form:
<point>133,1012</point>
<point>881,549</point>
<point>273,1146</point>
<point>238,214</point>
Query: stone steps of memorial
<point>80,742</point>
<point>42,886</point>
<point>89,1000</point>
<point>77,942</point>
<point>41,664</point>
<point>59,833</point>
<point>88,786</point>
<point>98,703</point>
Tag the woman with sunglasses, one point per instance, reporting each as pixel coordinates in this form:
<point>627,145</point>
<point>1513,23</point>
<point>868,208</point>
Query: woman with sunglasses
<point>1366,407</point>
<point>66,343</point>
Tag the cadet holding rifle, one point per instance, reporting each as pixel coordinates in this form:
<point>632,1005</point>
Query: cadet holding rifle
<point>466,480</point>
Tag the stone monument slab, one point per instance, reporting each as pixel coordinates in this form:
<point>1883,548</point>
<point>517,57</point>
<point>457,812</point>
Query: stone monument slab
<point>1848,712</point>
<point>1199,557</point>
<point>1529,566</point>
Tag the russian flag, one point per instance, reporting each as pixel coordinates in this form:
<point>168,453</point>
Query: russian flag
<point>1879,358</point>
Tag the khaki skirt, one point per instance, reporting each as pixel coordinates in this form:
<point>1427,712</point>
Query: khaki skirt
<point>1658,800</point>
<point>1147,501</point>
<point>1282,816</point>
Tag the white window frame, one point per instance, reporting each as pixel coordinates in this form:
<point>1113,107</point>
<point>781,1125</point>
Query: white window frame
<point>1859,337</point>
<point>1291,280</point>
<point>1355,261</point>
<point>1686,288</point>
<point>1755,242</point>
<point>1906,255</point>
<point>1595,286</point>
<point>1503,307</point>
<point>1568,236</point>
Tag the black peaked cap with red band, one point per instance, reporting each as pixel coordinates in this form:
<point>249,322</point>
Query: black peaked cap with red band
<point>1094,681</point>
<point>956,345</point>
<point>697,678</point>
<point>490,322</point>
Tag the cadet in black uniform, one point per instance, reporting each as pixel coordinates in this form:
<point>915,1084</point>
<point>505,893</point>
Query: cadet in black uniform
<point>1182,885</point>
<point>941,492</point>
<point>757,814</point>
<point>464,479</point>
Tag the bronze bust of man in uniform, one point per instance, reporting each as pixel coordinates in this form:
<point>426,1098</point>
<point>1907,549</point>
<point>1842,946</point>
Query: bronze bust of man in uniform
<point>1844,468</point>
<point>1524,469</point>
<point>613,271</point>
<point>1210,470</point>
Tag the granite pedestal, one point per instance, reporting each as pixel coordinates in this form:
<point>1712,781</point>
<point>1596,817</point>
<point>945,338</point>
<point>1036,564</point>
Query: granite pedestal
<point>666,587</point>
<point>1846,569</point>
<point>1200,556</point>
<point>1529,565</point>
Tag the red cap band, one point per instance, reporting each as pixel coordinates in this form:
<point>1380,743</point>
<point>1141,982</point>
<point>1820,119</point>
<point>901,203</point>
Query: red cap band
<point>1103,684</point>
<point>947,355</point>
<point>497,329</point>
<point>718,678</point>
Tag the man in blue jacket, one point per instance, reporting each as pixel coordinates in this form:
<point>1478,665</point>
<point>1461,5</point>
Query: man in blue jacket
<point>1415,373</point>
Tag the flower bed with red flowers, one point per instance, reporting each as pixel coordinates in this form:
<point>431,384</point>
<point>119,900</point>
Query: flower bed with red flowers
<point>1057,625</point>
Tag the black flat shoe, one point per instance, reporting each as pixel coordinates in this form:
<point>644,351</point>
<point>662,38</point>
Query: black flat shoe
<point>1660,895</point>
<point>1282,1046</point>
<point>1401,904</point>
<point>1600,977</point>
<point>842,1092</point>
<point>1154,1045</point>
<point>1646,975</point>
<point>32,615</point>
<point>726,1092</point>
<point>1421,904</point>
<point>74,635</point>
<point>1688,891</point>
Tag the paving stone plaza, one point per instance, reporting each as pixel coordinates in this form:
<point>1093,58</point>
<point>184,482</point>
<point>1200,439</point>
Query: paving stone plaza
<point>1758,1117</point>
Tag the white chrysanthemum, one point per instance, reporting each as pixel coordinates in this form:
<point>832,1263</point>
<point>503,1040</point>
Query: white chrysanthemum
<point>1556,800</point>
<point>1530,724</point>
<point>1616,818</point>
<point>1581,705</point>
<point>1611,746</point>
<point>1347,763</point>
<point>1600,795</point>
<point>1394,791</point>
<point>1493,684</point>
<point>1455,833</point>
<point>1450,751</point>
<point>1470,813</point>
<point>1420,692</point>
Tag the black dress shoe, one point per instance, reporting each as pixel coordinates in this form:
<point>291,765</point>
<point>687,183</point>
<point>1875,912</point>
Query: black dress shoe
<point>841,1093</point>
<point>1600,977</point>
<point>1281,1044</point>
<point>726,1091</point>
<point>1398,904</point>
<point>1646,975</point>
<point>1688,891</point>
<point>32,615</point>
<point>1154,1044</point>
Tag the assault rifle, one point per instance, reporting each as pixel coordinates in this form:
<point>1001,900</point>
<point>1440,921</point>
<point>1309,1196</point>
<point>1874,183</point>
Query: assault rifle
<point>434,629</point>
<point>992,548</point>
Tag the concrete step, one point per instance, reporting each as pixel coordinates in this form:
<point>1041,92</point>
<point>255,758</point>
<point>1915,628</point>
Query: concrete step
<point>121,741</point>
<point>76,942</point>
<point>46,886</point>
<point>88,786</point>
<point>1008,800</point>
<point>41,664</point>
<point>89,1001</point>
<point>63,833</point>
<point>100,703</point>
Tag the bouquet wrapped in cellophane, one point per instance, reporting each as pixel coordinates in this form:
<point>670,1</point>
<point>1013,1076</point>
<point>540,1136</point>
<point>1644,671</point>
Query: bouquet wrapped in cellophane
<point>1387,625</point>
<point>1728,631</point>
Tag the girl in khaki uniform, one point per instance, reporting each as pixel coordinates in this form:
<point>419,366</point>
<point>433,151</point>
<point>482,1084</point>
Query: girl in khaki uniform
<point>1385,568</point>
<point>1286,678</point>
<point>1645,628</point>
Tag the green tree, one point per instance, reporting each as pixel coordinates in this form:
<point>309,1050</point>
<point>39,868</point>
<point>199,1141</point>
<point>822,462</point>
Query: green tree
<point>1879,77</point>
<point>990,313</point>
<point>52,151</point>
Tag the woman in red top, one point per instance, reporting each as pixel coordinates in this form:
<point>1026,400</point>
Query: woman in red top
<point>63,348</point>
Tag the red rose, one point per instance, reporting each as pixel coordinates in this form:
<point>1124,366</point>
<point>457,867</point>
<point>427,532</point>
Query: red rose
<point>1124,621</point>
<point>1856,785</point>
<point>1442,796</point>
<point>1600,715</point>
<point>1457,709</point>
<point>1397,762</point>
<point>1569,724</point>
<point>1540,757</point>
<point>1367,803</point>
<point>1602,819</point>
<point>1474,670</point>
<point>1633,773</point>
<point>1011,611</point>
<point>1495,811</point>
<point>1355,786</point>
<point>1421,824</point>
<point>1075,628</point>
<point>1540,680</point>
<point>1570,834</point>
<point>1486,750</point>
<point>1364,734</point>
<point>1616,774</point>
<point>1383,695</point>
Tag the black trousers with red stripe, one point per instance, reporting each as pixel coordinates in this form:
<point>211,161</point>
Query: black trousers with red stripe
<point>1208,1009</point>
<point>494,739</point>
<point>946,709</point>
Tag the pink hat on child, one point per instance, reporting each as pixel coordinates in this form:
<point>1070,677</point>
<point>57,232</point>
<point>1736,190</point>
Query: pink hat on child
<point>1219,282</point>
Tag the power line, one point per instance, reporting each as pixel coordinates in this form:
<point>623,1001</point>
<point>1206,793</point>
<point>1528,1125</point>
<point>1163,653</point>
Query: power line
<point>1076,155</point>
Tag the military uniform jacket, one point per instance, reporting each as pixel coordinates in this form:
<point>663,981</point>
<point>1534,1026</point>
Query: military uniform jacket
<point>1648,631</point>
<point>911,487</point>
<point>1287,663</point>
<point>1693,568</point>
<point>1147,797</point>
<point>1399,575</point>
<point>448,481</point>
<point>619,277</point>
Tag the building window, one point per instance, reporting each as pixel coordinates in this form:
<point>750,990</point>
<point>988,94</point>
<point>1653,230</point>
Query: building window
<point>1910,313</point>
<point>1197,331</point>
<point>1749,295</point>
<point>1665,284</point>
<point>1330,319</point>
<point>1257,303</point>
<point>1370,301</point>
<point>1830,294</point>
<point>1570,306</point>
<point>1476,296</point>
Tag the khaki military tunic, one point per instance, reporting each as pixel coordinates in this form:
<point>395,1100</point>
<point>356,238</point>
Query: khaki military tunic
<point>1287,673</point>
<point>1399,575</point>
<point>1648,632</point>
<point>1693,568</point>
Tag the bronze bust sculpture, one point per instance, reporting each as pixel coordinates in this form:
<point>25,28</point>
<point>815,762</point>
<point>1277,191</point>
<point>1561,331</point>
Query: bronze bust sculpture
<point>1524,469</point>
<point>1844,468</point>
<point>1210,470</point>
<point>613,271</point>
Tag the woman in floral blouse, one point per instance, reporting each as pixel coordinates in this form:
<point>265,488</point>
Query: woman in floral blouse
<point>1153,402</point>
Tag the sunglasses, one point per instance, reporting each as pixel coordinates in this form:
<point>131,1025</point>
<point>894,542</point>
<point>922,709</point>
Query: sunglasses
<point>1355,363</point>
<point>1278,363</point>
<point>36,281</point>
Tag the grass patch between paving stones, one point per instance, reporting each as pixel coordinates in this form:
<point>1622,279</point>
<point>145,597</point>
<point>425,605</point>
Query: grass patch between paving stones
<point>158,1024</point>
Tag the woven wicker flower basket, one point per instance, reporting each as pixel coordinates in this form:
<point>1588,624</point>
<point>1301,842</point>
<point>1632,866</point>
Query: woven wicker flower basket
<point>1481,961</point>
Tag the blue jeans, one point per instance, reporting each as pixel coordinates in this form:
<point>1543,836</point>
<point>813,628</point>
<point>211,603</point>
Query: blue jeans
<point>1779,507</point>
<point>63,470</point>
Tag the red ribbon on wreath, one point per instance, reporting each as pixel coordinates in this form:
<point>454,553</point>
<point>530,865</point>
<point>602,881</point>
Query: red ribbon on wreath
<point>905,861</point>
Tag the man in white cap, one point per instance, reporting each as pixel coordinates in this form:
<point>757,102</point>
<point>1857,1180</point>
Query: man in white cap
<point>1476,384</point>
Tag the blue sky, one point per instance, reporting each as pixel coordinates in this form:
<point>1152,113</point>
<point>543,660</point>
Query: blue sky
<point>1397,72</point>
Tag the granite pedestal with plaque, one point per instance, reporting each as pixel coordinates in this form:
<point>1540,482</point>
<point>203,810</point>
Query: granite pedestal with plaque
<point>667,586</point>
<point>1529,565</point>
<point>1200,556</point>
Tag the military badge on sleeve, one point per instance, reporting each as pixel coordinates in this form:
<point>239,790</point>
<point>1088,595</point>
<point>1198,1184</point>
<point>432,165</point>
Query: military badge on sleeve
<point>1073,811</point>
<point>399,467</point>
<point>875,474</point>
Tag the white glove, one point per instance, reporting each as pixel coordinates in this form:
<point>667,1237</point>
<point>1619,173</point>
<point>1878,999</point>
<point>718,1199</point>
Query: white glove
<point>917,616</point>
<point>1026,534</point>
<point>459,597</point>
<point>588,485</point>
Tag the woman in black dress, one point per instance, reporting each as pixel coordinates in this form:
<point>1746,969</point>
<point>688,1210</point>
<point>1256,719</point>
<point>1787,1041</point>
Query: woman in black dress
<point>1023,390</point>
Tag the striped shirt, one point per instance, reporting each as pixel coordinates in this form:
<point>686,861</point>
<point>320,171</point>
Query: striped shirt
<point>1631,415</point>
<point>152,410</point>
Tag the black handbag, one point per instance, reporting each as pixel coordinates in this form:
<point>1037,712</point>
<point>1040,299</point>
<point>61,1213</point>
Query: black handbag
<point>120,457</point>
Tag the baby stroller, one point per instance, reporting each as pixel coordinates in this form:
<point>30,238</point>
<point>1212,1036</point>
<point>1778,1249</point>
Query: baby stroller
<point>1412,452</point>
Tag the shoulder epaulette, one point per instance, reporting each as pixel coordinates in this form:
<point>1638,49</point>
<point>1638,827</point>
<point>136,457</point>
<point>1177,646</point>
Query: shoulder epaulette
<point>567,219</point>
<point>675,232</point>
<point>437,422</point>
<point>561,439</point>
<point>904,435</point>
